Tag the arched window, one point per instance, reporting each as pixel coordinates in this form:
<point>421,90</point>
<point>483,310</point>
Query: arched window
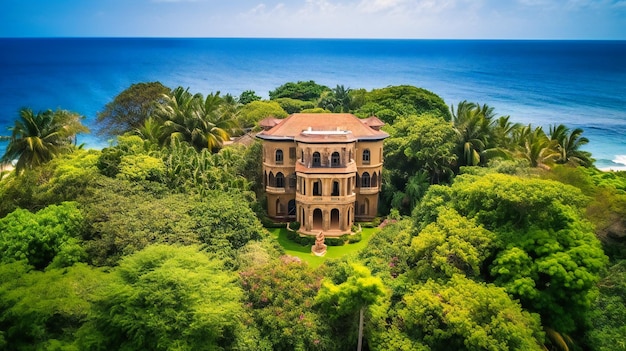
<point>366,156</point>
<point>280,180</point>
<point>317,188</point>
<point>279,156</point>
<point>335,188</point>
<point>292,180</point>
<point>334,218</point>
<point>334,159</point>
<point>317,160</point>
<point>279,207</point>
<point>374,180</point>
<point>272,180</point>
<point>365,180</point>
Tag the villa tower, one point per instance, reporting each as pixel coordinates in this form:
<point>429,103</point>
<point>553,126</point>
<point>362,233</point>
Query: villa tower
<point>322,170</point>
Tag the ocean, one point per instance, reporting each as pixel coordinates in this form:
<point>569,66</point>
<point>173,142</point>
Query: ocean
<point>577,83</point>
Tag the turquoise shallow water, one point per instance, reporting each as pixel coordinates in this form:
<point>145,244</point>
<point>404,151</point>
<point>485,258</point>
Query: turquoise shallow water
<point>579,83</point>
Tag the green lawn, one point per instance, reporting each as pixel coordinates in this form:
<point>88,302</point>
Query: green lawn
<point>304,252</point>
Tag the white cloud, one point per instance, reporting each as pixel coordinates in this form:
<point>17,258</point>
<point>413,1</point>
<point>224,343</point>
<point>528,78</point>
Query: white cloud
<point>262,10</point>
<point>373,6</point>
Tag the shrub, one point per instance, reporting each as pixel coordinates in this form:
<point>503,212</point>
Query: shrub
<point>340,241</point>
<point>302,240</point>
<point>354,238</point>
<point>268,223</point>
<point>376,222</point>
<point>294,225</point>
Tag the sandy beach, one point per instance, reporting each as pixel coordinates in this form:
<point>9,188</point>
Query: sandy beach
<point>6,167</point>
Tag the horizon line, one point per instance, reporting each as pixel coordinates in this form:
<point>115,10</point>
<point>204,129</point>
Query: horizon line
<point>310,38</point>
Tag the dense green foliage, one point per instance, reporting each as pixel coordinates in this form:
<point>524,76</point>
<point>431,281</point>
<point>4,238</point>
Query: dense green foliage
<point>281,296</point>
<point>164,298</point>
<point>247,97</point>
<point>52,235</point>
<point>44,310</point>
<point>131,108</point>
<point>497,236</point>
<point>36,138</point>
<point>204,123</point>
<point>255,111</point>
<point>305,91</point>
<point>418,152</point>
<point>463,314</point>
<point>400,101</point>
<point>549,257</point>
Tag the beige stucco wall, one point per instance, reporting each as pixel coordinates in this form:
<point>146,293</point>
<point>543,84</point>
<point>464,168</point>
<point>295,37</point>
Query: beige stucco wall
<point>332,213</point>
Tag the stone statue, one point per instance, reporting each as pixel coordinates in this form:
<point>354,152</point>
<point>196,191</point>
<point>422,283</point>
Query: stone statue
<point>319,249</point>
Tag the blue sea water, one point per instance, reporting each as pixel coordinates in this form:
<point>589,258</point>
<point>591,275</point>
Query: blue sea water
<point>578,83</point>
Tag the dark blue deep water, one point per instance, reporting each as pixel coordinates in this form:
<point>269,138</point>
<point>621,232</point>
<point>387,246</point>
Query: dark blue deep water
<point>579,83</point>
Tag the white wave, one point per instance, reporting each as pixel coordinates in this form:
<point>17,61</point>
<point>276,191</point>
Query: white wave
<point>619,164</point>
<point>621,159</point>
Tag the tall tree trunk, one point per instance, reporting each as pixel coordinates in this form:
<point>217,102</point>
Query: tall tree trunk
<point>360,343</point>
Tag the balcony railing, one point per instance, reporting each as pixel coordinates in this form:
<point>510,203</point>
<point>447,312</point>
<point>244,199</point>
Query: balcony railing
<point>274,190</point>
<point>368,191</point>
<point>325,199</point>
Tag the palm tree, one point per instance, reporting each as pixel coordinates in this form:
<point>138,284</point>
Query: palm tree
<point>343,97</point>
<point>473,125</point>
<point>200,122</point>
<point>38,138</point>
<point>503,132</point>
<point>328,101</point>
<point>219,121</point>
<point>151,131</point>
<point>568,146</point>
<point>535,146</point>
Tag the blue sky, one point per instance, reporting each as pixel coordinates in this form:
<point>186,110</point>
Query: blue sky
<point>489,19</point>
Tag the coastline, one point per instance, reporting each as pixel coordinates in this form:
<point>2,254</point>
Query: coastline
<point>6,167</point>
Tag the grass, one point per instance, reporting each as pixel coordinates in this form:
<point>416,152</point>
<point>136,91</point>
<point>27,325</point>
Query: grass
<point>304,252</point>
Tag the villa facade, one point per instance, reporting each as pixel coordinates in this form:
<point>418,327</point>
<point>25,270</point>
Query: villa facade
<point>322,170</point>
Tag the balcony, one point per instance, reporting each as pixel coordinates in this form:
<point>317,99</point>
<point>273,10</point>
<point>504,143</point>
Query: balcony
<point>310,199</point>
<point>368,191</point>
<point>274,190</point>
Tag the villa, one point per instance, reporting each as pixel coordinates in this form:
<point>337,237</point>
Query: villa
<point>322,170</point>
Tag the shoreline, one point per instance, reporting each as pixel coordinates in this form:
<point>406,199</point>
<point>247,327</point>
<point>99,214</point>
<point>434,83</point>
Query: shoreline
<point>6,167</point>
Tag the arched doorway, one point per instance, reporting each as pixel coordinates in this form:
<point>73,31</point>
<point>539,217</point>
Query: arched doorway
<point>291,207</point>
<point>334,219</point>
<point>318,219</point>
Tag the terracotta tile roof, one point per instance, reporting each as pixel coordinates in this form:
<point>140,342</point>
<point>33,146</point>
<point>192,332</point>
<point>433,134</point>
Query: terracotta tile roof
<point>246,140</point>
<point>322,127</point>
<point>373,122</point>
<point>269,122</point>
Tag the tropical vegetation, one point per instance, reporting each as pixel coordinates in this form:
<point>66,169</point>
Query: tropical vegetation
<point>498,236</point>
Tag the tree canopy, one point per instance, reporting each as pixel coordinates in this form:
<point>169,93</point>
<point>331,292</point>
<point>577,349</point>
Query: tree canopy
<point>155,242</point>
<point>549,257</point>
<point>301,90</point>
<point>131,108</point>
<point>36,138</point>
<point>166,297</point>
